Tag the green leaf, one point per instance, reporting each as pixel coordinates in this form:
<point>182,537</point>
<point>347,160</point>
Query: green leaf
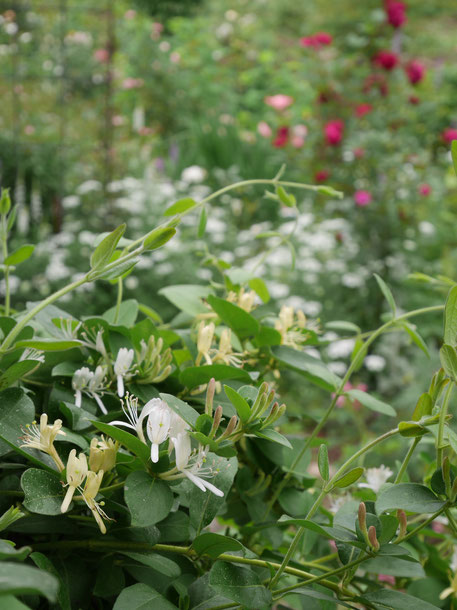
<point>49,345</point>
<point>141,597</point>
<point>23,580</point>
<point>188,413</point>
<point>423,407</point>
<point>371,402</point>
<point>410,429</point>
<point>242,407</point>
<point>268,336</point>
<point>128,313</point>
<point>450,317</point>
<point>158,237</point>
<point>311,368</point>
<point>395,566</point>
<point>454,154</point>
<point>163,565</point>
<point>180,206</point>
<point>286,198</point>
<point>349,477</point>
<point>132,443</point>
<point>415,336</point>
<point>120,270</point>
<point>411,497</point>
<point>322,461</point>
<point>149,499</point>
<point>8,551</point>
<point>319,595</point>
<point>44,563</point>
<point>387,293</point>
<point>241,585</point>
<point>43,492</point>
<point>235,317</point>
<point>214,544</point>
<point>328,190</point>
<point>271,434</point>
<point>5,201</point>
<point>20,255</point>
<point>388,598</point>
<point>202,223</point>
<point>187,297</point>
<point>16,411</point>
<point>260,288</point>
<point>199,375</point>
<point>16,371</point>
<point>103,252</point>
<point>448,357</point>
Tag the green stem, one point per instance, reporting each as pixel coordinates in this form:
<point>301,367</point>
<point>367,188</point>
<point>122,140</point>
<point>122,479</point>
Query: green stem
<point>300,531</point>
<point>7,342</point>
<point>451,519</point>
<point>408,456</point>
<point>119,301</point>
<point>442,421</point>
<point>6,270</point>
<point>339,392</point>
<point>112,487</point>
<point>421,525</point>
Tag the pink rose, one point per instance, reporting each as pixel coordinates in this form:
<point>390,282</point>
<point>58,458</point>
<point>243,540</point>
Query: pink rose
<point>362,198</point>
<point>279,101</point>
<point>396,13</point>
<point>101,55</point>
<point>282,137</point>
<point>363,109</point>
<point>322,175</point>
<point>264,129</point>
<point>132,83</point>
<point>449,135</point>
<point>425,189</point>
<point>317,40</point>
<point>333,131</point>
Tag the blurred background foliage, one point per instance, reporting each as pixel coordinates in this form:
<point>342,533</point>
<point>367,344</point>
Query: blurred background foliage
<point>112,110</point>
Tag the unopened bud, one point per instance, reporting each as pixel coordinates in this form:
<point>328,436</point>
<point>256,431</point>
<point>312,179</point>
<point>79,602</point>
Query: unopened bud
<point>210,396</point>
<point>216,421</point>
<point>402,520</point>
<point>230,428</point>
<point>363,517</point>
<point>272,416</point>
<point>453,494</point>
<point>372,538</point>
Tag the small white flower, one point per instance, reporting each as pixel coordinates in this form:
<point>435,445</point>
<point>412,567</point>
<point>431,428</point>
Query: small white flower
<point>376,477</point>
<point>122,367</point>
<point>76,473</point>
<point>204,341</point>
<point>158,425</point>
<point>374,363</point>
<point>193,174</point>
<point>135,422</point>
<point>193,467</point>
<point>93,384</point>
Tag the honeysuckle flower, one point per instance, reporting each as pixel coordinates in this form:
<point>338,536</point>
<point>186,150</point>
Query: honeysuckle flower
<point>376,477</point>
<point>204,341</point>
<point>225,352</point>
<point>279,101</point>
<point>85,380</point>
<point>291,325</point>
<point>135,422</point>
<point>155,365</point>
<point>89,493</point>
<point>76,471</point>
<point>157,425</point>
<point>42,437</point>
<point>193,467</point>
<point>246,300</point>
<point>102,454</point>
<point>122,367</point>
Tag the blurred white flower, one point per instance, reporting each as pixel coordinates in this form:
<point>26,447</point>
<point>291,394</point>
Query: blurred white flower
<point>374,363</point>
<point>193,174</point>
<point>376,477</point>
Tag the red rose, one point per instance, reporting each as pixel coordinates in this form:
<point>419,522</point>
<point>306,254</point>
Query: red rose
<point>415,71</point>
<point>320,39</point>
<point>449,135</point>
<point>396,13</point>
<point>282,137</point>
<point>386,60</point>
<point>321,175</point>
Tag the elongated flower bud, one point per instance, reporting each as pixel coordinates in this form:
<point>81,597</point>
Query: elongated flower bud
<point>210,396</point>
<point>401,516</point>
<point>372,538</point>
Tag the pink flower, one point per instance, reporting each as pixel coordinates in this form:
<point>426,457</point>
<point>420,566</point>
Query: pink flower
<point>396,13</point>
<point>414,100</point>
<point>321,175</point>
<point>438,527</point>
<point>358,153</point>
<point>363,109</point>
<point>157,29</point>
<point>132,83</point>
<point>449,135</point>
<point>29,130</point>
<point>341,401</point>
<point>264,129</point>
<point>130,14</point>
<point>386,60</point>
<point>386,578</point>
<point>333,131</point>
<point>425,189</point>
<point>415,71</point>
<point>282,137</point>
<point>363,198</point>
<point>101,55</point>
<point>279,101</point>
<point>299,133</point>
<point>317,40</point>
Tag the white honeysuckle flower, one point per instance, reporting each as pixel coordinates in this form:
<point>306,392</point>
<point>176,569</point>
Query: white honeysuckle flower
<point>177,425</point>
<point>337,503</point>
<point>122,367</point>
<point>85,380</point>
<point>100,345</point>
<point>225,352</point>
<point>157,425</point>
<point>374,363</point>
<point>32,354</point>
<point>76,473</point>
<point>453,564</point>
<point>376,477</point>
<point>135,422</point>
<point>193,466</point>
<point>102,454</point>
